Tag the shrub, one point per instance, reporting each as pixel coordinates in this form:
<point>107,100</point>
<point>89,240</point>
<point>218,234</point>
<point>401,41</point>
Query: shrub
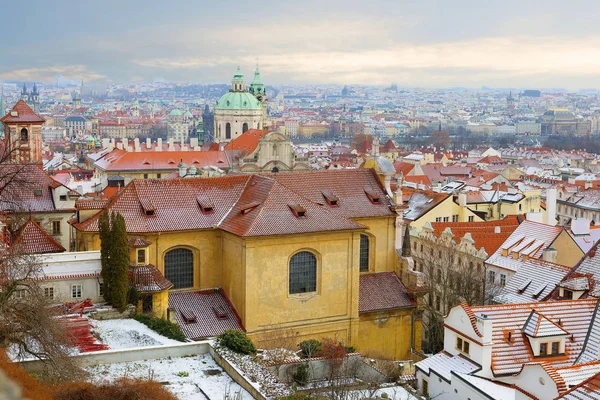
<point>237,341</point>
<point>132,389</point>
<point>161,326</point>
<point>300,375</point>
<point>349,349</point>
<point>310,348</point>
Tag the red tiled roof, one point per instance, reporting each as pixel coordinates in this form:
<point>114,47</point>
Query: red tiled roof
<point>247,141</point>
<point>137,242</point>
<point>202,306</point>
<point>24,114</point>
<point>148,279</point>
<point>403,167</point>
<point>121,160</point>
<point>175,206</point>
<point>26,188</point>
<point>346,184</point>
<point>483,232</point>
<point>382,291</point>
<point>33,239</point>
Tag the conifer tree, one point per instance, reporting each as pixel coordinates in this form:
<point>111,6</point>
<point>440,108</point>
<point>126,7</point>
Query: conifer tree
<point>105,245</point>
<point>119,262</point>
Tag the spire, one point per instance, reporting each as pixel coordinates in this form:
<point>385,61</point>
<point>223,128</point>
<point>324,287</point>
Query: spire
<point>237,83</point>
<point>34,88</point>
<point>24,91</point>
<point>257,87</point>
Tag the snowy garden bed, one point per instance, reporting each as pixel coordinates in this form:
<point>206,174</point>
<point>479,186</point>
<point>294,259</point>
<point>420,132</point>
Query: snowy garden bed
<point>254,372</point>
<point>127,333</point>
<point>186,377</point>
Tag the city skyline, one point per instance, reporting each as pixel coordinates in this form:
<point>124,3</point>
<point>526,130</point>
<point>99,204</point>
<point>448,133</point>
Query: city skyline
<point>415,45</point>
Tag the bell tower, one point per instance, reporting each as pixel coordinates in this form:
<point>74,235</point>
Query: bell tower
<point>257,88</point>
<point>23,134</point>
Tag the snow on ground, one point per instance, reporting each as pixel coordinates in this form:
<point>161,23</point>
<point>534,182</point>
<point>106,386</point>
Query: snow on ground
<point>128,333</point>
<point>172,373</point>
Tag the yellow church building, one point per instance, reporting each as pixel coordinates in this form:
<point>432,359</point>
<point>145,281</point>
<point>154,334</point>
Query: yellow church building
<point>305,254</point>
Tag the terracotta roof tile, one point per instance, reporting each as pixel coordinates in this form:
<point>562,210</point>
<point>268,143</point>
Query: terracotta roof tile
<point>24,114</point>
<point>148,279</point>
<point>33,239</point>
<point>248,141</point>
<point>202,306</point>
<point>121,160</point>
<point>382,291</point>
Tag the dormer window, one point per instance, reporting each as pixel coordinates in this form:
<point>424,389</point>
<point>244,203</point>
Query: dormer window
<point>331,199</point>
<point>372,195</point>
<point>247,208</point>
<point>37,192</point>
<point>206,206</point>
<point>297,210</point>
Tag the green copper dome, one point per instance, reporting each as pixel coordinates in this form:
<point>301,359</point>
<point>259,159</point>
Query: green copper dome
<point>238,101</point>
<point>175,113</point>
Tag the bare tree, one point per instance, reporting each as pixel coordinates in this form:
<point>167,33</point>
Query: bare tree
<point>454,276</point>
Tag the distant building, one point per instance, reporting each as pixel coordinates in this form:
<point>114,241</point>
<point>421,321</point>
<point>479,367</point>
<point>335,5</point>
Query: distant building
<point>239,109</point>
<point>560,121</point>
<point>77,125</point>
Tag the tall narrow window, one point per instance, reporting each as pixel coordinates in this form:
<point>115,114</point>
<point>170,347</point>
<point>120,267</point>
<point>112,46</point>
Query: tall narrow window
<point>274,149</point>
<point>303,272</point>
<point>228,131</point>
<point>24,135</point>
<point>179,268</point>
<point>364,253</point>
<point>244,127</point>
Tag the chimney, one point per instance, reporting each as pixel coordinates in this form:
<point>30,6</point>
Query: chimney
<point>193,142</point>
<point>159,145</point>
<point>80,189</point>
<point>462,199</point>
<point>120,145</point>
<point>497,229</point>
<point>588,184</point>
<point>551,206</point>
<point>549,254</point>
<point>484,325</point>
<point>171,146</point>
<point>148,143</point>
<point>136,144</point>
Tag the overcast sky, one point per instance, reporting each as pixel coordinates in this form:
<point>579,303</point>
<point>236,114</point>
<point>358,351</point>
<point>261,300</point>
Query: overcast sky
<point>509,43</point>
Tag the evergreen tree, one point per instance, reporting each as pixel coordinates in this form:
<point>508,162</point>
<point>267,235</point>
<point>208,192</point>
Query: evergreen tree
<point>105,244</point>
<point>119,262</point>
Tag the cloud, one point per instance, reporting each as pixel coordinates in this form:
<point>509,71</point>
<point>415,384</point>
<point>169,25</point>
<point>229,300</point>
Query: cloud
<point>49,74</point>
<point>475,62</point>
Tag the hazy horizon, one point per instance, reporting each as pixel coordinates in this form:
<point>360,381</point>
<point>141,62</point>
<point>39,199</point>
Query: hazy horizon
<point>512,44</point>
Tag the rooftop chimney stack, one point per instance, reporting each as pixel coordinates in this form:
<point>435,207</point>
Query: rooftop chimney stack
<point>159,145</point>
<point>148,143</point>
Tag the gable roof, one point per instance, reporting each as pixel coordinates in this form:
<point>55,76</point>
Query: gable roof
<point>538,325</point>
<point>589,389</point>
<point>418,202</point>
<point>508,357</point>
<point>24,114</point>
<point>33,239</point>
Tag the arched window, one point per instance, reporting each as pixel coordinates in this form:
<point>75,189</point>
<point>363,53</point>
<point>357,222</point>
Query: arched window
<point>228,131</point>
<point>24,135</point>
<point>364,253</point>
<point>258,125</point>
<point>244,127</point>
<point>303,272</point>
<point>179,268</point>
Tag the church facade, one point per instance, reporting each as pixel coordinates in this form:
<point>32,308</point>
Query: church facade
<point>240,109</point>
<point>307,254</point>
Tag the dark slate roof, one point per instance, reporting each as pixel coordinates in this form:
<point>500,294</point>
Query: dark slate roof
<point>382,291</point>
<point>202,305</point>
